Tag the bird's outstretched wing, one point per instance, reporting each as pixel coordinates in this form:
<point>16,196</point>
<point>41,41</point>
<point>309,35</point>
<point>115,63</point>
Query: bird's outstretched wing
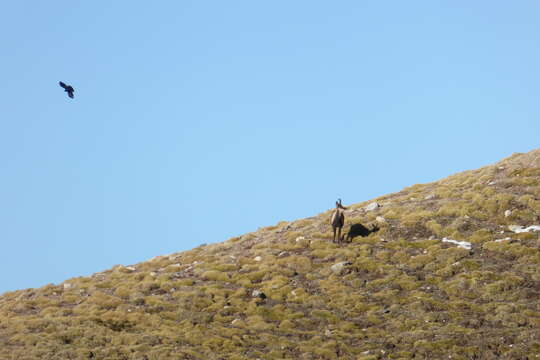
<point>67,88</point>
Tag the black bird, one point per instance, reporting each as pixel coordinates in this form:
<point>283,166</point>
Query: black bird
<point>67,88</point>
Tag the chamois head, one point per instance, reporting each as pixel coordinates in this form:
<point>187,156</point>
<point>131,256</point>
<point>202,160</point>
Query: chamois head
<point>338,204</point>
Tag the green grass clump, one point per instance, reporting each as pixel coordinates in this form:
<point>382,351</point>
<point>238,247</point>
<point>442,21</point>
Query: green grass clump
<point>215,275</point>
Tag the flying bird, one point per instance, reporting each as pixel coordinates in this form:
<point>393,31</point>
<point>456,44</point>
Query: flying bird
<point>67,88</point>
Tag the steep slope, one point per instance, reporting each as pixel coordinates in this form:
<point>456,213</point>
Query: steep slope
<point>396,290</point>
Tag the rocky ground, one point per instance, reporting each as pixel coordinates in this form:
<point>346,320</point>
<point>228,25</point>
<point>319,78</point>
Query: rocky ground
<point>445,270</point>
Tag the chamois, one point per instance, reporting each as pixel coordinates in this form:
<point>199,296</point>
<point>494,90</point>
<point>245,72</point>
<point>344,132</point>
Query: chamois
<point>338,219</point>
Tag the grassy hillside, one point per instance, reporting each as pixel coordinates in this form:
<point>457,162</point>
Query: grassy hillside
<point>288,292</point>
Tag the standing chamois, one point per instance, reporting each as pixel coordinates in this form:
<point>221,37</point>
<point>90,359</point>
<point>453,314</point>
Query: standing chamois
<point>338,219</point>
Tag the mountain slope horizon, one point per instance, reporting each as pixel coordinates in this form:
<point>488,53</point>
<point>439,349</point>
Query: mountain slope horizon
<point>447,268</point>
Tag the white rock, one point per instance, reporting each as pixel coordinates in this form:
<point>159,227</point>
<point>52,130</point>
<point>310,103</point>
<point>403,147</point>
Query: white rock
<point>257,258</point>
<point>283,254</point>
<point>131,268</point>
<point>67,286</point>
<point>300,238</point>
<point>430,197</point>
<point>259,294</point>
<point>505,239</point>
<point>491,183</point>
<point>154,274</point>
<point>380,219</point>
<point>462,244</point>
<point>372,206</point>
<point>520,229</point>
<point>507,213</point>
<point>533,228</point>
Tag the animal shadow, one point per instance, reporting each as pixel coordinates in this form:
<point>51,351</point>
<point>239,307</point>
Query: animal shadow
<point>360,230</point>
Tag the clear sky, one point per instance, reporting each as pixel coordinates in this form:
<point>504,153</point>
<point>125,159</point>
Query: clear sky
<point>196,121</point>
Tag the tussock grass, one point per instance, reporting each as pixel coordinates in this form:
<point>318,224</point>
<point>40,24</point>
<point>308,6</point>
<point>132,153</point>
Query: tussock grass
<point>403,293</point>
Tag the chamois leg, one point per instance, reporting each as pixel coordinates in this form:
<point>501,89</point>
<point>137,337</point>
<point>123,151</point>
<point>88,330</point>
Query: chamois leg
<point>339,235</point>
<point>334,239</point>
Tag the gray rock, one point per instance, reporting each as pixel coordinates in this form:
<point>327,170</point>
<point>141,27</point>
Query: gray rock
<point>430,197</point>
<point>372,206</point>
<point>340,266</point>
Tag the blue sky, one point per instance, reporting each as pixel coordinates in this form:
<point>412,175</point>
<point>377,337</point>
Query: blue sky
<point>196,121</point>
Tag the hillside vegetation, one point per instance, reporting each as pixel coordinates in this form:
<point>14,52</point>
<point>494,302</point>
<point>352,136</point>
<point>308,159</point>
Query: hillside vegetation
<point>396,290</point>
